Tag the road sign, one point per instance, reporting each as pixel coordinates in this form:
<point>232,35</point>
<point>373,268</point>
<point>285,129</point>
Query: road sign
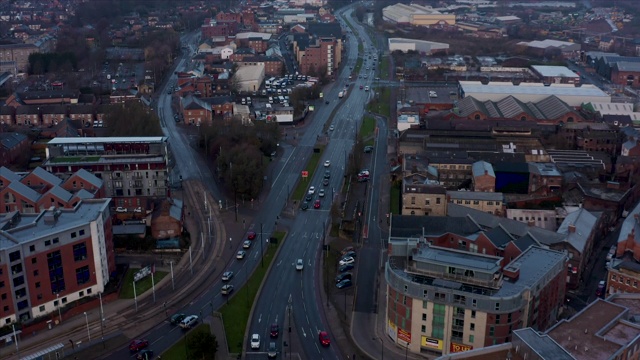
<point>305,174</point>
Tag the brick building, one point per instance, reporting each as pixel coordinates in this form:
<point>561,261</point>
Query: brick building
<point>424,199</point>
<point>18,54</point>
<point>195,111</point>
<point>320,56</point>
<point>626,74</point>
<point>13,146</point>
<point>592,137</point>
<point>272,65</point>
<point>218,28</point>
<point>544,178</point>
<point>54,257</point>
<point>483,177</point>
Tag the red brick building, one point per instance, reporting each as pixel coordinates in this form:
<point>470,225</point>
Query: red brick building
<point>544,178</point>
<point>626,74</point>
<point>272,65</point>
<point>320,57</point>
<point>219,28</point>
<point>484,178</point>
<point>12,147</point>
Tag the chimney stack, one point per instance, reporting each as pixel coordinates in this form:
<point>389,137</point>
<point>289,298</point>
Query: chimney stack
<point>572,228</point>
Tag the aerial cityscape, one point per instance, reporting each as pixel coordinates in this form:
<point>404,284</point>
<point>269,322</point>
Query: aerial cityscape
<point>319,179</point>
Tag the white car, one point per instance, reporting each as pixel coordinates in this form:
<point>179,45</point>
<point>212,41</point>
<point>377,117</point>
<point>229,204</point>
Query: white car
<point>327,163</point>
<point>312,190</point>
<point>227,275</point>
<point>321,192</point>
<point>347,260</point>
<point>240,255</point>
<point>255,341</point>
<point>299,264</point>
<point>246,244</point>
<point>331,128</point>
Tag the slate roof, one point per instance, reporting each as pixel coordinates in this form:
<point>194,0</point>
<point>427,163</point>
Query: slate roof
<point>89,177</point>
<point>193,103</point>
<point>9,175</point>
<point>83,194</point>
<point>332,29</point>
<point>11,140</point>
<point>499,236</point>
<point>24,190</point>
<point>509,107</point>
<point>46,176</point>
<point>584,223</point>
<point>480,167</point>
<point>406,226</point>
<point>176,209</point>
<point>60,193</point>
<point>524,242</point>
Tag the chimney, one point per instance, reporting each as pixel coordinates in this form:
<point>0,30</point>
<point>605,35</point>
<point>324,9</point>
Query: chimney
<point>486,172</point>
<point>572,228</point>
<point>531,222</point>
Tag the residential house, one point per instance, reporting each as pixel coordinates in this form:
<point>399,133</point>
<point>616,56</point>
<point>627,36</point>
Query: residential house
<point>490,202</point>
<point>82,113</point>
<point>167,219</point>
<point>483,178</point>
<point>7,115</point>
<point>52,114</point>
<point>195,111</point>
<point>13,145</point>
<point>28,116</point>
<point>423,199</point>
<point>580,229</point>
<point>544,178</point>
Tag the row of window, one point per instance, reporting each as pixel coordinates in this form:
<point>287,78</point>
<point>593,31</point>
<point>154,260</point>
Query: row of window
<point>621,279</point>
<point>477,202</point>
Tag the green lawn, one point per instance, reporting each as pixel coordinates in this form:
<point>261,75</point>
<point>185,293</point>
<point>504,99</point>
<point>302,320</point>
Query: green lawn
<point>384,68</point>
<point>301,189</point>
<point>358,66</point>
<point>368,126</point>
<point>126,292</point>
<point>380,104</point>
<point>179,350</point>
<point>394,199</point>
<point>235,313</point>
<point>74,159</point>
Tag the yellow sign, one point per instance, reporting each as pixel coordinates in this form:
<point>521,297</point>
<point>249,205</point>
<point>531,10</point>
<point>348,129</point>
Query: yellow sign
<point>431,343</point>
<point>454,348</point>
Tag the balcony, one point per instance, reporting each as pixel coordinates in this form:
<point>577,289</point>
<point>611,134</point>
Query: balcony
<point>138,184</point>
<point>494,283</point>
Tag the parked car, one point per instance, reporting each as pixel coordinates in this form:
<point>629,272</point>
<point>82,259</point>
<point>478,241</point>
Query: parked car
<point>177,318</point>
<point>347,260</point>
<point>226,289</point>
<point>368,148</point>
<point>324,338</point>
<point>600,291</point>
<point>299,264</point>
<point>347,249</point>
<point>345,267</point>
<point>344,284</point>
<point>138,344</point>
<point>227,275</point>
<point>331,128</point>
<point>255,341</point>
<point>343,276</point>
<point>349,254</point>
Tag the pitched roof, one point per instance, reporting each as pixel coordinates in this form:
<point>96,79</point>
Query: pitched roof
<point>89,177</point>
<point>481,167</point>
<point>584,223</point>
<point>9,175</point>
<point>24,190</point>
<point>60,193</point>
<point>11,140</point>
<point>406,226</point>
<point>46,176</point>
<point>499,236</point>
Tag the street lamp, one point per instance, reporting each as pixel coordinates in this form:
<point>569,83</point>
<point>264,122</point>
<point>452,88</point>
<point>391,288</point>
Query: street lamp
<point>86,318</point>
<point>59,313</point>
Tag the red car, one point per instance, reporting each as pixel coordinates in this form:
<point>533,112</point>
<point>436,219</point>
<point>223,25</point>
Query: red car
<point>324,338</point>
<point>360,87</point>
<point>138,344</point>
<point>316,205</point>
<point>251,235</point>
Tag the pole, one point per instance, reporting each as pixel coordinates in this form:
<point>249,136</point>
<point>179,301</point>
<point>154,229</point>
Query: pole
<point>406,351</point>
<point>59,312</point>
<point>202,243</point>
<point>261,249</point>
<point>135,297</point>
<point>190,261</point>
<point>101,321</point>
<point>15,338</point>
<point>153,287</point>
<point>173,285</point>
<point>86,318</point>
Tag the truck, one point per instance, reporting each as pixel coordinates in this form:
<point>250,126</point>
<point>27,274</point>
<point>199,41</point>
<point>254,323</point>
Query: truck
<point>341,94</point>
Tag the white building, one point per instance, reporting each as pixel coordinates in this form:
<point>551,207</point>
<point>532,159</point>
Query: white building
<point>416,15</point>
<point>533,92</point>
<point>249,77</point>
<point>556,74</point>
<point>420,46</point>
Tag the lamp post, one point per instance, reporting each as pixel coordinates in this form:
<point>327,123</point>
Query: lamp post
<point>59,312</point>
<point>86,318</point>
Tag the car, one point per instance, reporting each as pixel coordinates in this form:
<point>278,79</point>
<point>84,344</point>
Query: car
<point>316,205</point>
<point>299,264</point>
<point>251,235</point>
<point>177,318</point>
<point>601,288</point>
<point>240,255</point>
<point>246,244</point>
<point>255,341</point>
<point>351,253</point>
<point>361,87</point>
<point>321,192</point>
<point>324,338</point>
<point>308,198</point>
<point>226,289</point>
<point>325,182</point>
<point>368,149</point>
<point>327,163</point>
<point>347,260</point>
<point>327,102</point>
<point>345,267</point>
<point>312,190</point>
<point>304,206</point>
<point>227,275</point>
<point>347,249</point>
<point>275,331</point>
<point>327,174</point>
<point>145,354</point>
<point>188,322</point>
<point>272,352</point>
<point>138,344</point>
<point>344,284</point>
<point>343,276</point>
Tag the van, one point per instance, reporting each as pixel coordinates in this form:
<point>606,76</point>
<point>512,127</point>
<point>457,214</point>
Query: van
<point>269,107</point>
<point>270,99</point>
<point>279,91</point>
<point>189,322</point>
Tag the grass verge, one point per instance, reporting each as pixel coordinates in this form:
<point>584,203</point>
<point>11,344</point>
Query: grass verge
<point>235,313</point>
<point>394,198</point>
<point>367,130</point>
<point>126,292</point>
<point>301,189</point>
<point>380,104</point>
<point>180,350</point>
<point>384,68</point>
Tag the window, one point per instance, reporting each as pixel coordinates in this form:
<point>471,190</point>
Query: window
<point>88,291</point>
<point>613,277</point>
<point>424,303</point>
<point>472,327</point>
<point>55,240</point>
<point>14,256</point>
<point>41,308</point>
<point>37,284</point>
<point>81,232</point>
<point>424,317</point>
<point>34,260</point>
<point>423,329</point>
<point>18,281</point>
<point>497,306</point>
<point>82,275</point>
<point>81,294</point>
<point>413,200</point>
<point>35,273</point>
<point>64,300</point>
<point>471,338</point>
<point>492,331</point>
<point>56,272</point>
<point>47,243</point>
<point>474,304</point>
<point>32,248</point>
<point>80,251</point>
<point>497,319</point>
<point>509,318</point>
<point>437,201</point>
<point>4,296</point>
<point>73,235</point>
<point>1,284</point>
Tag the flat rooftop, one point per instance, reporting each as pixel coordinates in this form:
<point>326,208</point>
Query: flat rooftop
<point>554,71</point>
<point>32,226</point>
<point>463,259</point>
<point>106,140</point>
<point>507,88</point>
<point>582,335</point>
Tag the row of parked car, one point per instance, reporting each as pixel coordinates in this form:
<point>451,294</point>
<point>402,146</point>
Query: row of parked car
<point>347,261</point>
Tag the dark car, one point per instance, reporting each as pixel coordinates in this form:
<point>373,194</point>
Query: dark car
<point>324,338</point>
<point>275,330</point>
<point>349,253</point>
<point>138,344</point>
<point>326,102</point>
<point>304,206</point>
<point>343,276</point>
<point>325,182</point>
<point>272,351</point>
<point>309,197</point>
<point>347,249</point>
<point>177,318</point>
<point>368,149</point>
<point>145,355</point>
<point>344,284</point>
<point>601,289</point>
<point>345,267</point>
<point>327,174</point>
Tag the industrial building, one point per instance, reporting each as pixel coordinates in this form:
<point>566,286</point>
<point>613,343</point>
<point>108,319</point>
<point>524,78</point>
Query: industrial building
<point>421,46</point>
<point>416,15</point>
<point>249,78</point>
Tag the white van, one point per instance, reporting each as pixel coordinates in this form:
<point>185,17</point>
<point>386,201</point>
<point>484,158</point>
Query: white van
<point>189,322</point>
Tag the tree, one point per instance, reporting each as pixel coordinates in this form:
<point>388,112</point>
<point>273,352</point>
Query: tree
<point>203,345</point>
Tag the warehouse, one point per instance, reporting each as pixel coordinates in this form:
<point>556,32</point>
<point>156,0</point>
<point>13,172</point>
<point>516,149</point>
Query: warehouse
<point>533,92</point>
<point>248,78</point>
<point>421,46</point>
